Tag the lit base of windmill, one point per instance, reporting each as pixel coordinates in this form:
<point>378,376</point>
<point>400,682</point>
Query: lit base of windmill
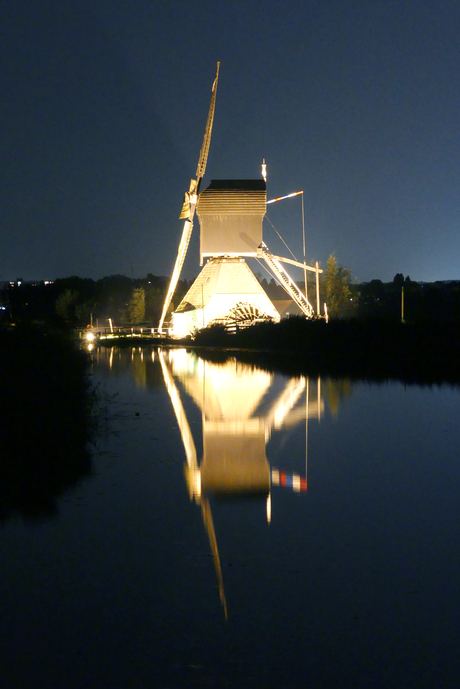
<point>226,292</point>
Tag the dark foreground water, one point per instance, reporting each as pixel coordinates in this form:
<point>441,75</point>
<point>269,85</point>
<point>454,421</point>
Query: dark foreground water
<point>240,529</point>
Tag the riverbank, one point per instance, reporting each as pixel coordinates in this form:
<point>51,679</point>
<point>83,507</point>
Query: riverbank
<point>427,352</point>
<point>48,419</point>
<point>377,349</point>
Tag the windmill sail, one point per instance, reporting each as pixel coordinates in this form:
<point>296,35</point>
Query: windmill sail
<point>189,206</point>
<point>207,135</point>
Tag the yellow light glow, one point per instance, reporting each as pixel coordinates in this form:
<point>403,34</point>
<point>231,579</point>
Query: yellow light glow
<point>90,337</point>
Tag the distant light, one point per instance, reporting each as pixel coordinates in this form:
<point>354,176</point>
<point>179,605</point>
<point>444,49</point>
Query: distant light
<point>90,337</point>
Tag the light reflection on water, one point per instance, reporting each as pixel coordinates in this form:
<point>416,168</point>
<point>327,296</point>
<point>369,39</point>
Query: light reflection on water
<point>239,411</point>
<point>199,492</point>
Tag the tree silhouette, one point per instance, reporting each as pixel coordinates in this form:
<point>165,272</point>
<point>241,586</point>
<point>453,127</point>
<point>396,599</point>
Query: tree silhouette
<point>337,281</point>
<point>137,305</point>
<point>65,304</point>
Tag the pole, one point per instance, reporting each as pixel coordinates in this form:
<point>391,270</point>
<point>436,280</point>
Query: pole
<point>304,254</point>
<point>307,401</point>
<point>318,309</point>
<point>318,397</point>
<point>402,304</point>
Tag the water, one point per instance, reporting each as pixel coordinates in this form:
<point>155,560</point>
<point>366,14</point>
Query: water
<point>194,556</point>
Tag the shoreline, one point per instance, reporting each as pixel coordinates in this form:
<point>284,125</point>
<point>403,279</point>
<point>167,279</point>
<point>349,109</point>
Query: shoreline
<point>423,353</point>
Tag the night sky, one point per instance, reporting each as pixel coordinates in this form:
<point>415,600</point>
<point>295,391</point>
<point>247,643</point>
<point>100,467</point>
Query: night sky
<point>103,111</point>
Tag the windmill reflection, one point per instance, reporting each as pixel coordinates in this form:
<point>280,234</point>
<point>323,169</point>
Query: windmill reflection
<point>240,407</point>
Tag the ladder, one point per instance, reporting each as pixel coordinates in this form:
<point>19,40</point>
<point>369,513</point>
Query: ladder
<point>285,280</point>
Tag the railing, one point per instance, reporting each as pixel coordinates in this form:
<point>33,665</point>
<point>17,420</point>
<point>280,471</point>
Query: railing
<point>107,332</point>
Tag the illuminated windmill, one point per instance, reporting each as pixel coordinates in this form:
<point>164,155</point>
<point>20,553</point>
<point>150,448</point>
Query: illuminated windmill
<point>226,291</point>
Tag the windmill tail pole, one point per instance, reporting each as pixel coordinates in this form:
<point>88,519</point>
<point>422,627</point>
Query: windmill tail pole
<point>188,209</point>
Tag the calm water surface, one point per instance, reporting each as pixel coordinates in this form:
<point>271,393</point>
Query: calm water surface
<point>244,529</point>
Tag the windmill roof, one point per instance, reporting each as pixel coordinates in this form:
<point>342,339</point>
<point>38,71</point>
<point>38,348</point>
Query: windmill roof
<point>233,197</point>
<point>237,184</point>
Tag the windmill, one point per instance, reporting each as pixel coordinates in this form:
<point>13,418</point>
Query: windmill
<point>231,214</point>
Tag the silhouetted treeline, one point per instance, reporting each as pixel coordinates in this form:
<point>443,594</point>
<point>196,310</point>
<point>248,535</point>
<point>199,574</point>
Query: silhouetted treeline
<point>434,301</point>
<point>78,301</point>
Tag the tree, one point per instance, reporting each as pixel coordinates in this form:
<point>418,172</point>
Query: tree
<point>83,311</point>
<point>154,299</point>
<point>137,305</point>
<point>65,304</point>
<point>337,281</point>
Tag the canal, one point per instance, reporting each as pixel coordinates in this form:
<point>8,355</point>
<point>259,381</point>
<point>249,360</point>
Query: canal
<point>239,528</point>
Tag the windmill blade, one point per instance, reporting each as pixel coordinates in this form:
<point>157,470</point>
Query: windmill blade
<point>207,135</point>
<point>189,206</point>
<point>183,246</point>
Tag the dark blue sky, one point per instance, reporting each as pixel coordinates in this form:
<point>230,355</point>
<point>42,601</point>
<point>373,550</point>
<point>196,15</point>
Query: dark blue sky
<point>104,104</point>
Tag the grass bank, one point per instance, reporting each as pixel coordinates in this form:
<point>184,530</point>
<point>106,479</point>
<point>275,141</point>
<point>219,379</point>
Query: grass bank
<point>422,353</point>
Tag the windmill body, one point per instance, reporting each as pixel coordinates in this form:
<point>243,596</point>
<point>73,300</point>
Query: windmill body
<point>230,213</point>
